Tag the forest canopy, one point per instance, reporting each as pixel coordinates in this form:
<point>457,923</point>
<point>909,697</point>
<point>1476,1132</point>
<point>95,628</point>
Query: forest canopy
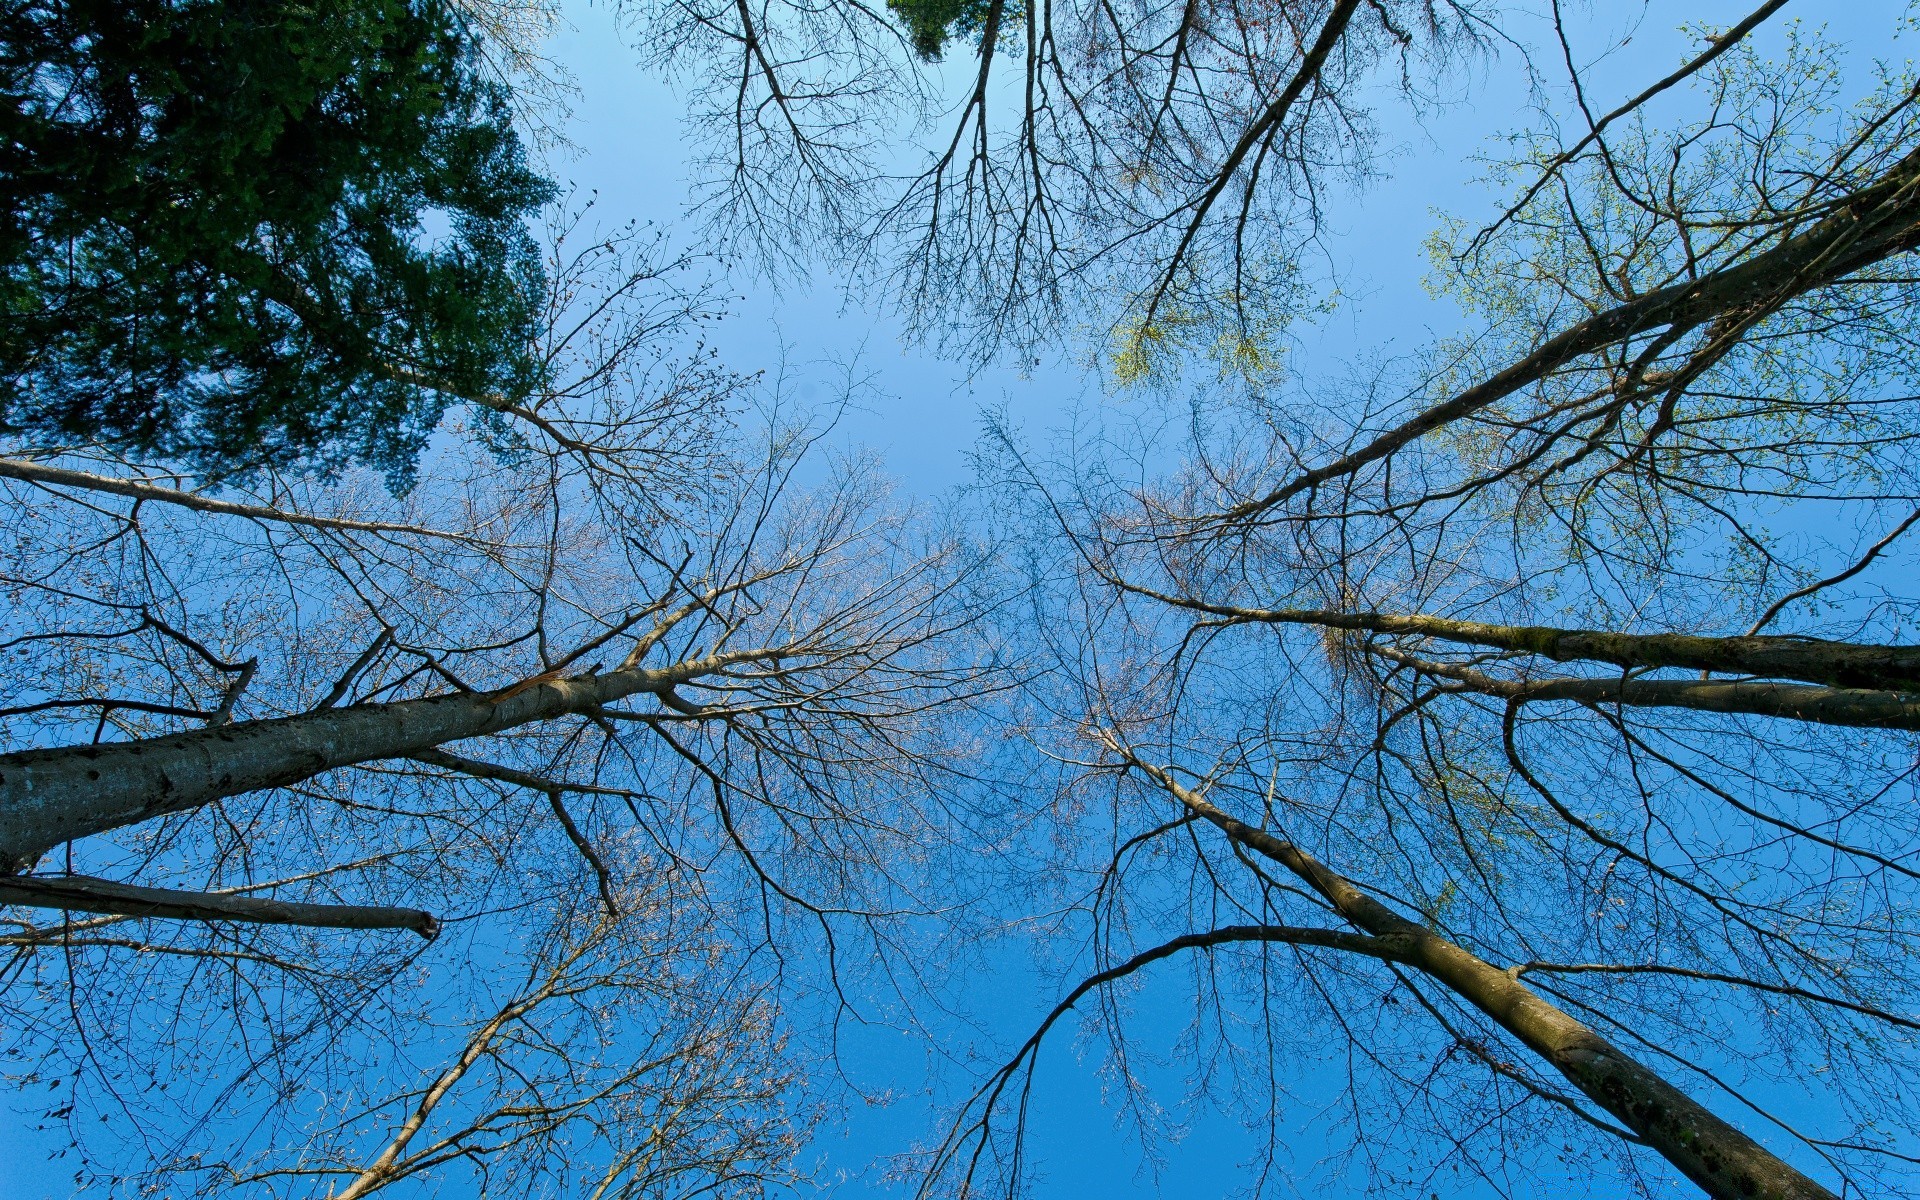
<point>468,735</point>
<point>239,234</point>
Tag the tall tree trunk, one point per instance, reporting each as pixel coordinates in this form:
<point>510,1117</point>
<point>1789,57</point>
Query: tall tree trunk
<point>82,893</point>
<point>1856,707</point>
<point>1810,660</point>
<point>1727,1163</point>
<point>52,796</point>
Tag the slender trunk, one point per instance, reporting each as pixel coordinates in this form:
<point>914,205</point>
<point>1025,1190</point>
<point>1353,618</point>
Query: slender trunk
<point>52,796</point>
<point>82,893</point>
<point>1793,702</point>
<point>387,1167</point>
<point>1810,660</point>
<point>141,489</point>
<point>1876,222</point>
<point>1855,707</point>
<point>1722,1160</point>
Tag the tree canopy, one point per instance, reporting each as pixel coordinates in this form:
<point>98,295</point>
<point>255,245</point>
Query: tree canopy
<point>247,232</point>
<point>1503,742</point>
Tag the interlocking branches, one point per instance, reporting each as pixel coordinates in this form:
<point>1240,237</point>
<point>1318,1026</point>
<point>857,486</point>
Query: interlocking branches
<point>617,593</point>
<point>1583,638</point>
<point>1180,149</point>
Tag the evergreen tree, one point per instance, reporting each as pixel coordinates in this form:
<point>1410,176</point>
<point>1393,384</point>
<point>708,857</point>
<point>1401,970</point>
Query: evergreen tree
<point>242,232</point>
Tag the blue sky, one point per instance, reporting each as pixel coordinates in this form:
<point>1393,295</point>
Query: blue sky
<point>922,414</point>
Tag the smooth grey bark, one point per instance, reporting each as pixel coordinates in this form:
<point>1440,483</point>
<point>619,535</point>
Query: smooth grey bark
<point>52,796</point>
<point>1856,684</point>
<point>83,893</point>
<point>1725,1162</point>
<point>1854,707</point>
<point>1794,702</point>
<point>1847,665</point>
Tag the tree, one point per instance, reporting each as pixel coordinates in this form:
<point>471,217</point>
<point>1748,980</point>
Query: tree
<point>617,1054</point>
<point>1536,724</point>
<point>241,233</point>
<point>610,665</point>
<point>1145,168</point>
<point>1521,732</point>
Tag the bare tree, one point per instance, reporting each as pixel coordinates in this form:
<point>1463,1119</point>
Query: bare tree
<point>1526,728</point>
<point>632,1057</point>
<point>1158,171</point>
<point>610,637</point>
<point>1179,147</point>
<point>1534,720</point>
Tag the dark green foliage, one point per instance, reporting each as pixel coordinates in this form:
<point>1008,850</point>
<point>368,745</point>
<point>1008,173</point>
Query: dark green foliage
<point>241,232</point>
<point>932,23</point>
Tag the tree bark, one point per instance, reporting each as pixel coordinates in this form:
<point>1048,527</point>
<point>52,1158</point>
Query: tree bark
<point>83,893</point>
<point>141,489</point>
<point>1876,222</point>
<point>1725,1162</point>
<point>1854,707</point>
<point>52,796</point>
<point>1810,660</point>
